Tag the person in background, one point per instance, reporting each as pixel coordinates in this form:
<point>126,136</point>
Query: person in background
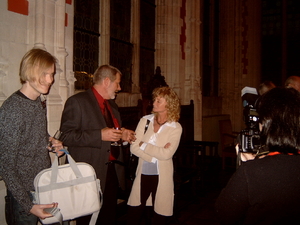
<point>88,122</point>
<point>293,82</point>
<point>153,185</point>
<point>24,139</point>
<point>266,190</point>
<point>265,86</point>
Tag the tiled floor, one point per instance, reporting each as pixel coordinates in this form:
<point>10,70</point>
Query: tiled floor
<point>198,207</point>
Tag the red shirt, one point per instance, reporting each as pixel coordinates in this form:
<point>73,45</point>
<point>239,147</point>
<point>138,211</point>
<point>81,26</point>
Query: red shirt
<point>101,100</point>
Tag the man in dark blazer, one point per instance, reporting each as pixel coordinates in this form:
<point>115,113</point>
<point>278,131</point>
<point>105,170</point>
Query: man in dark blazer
<point>88,133</point>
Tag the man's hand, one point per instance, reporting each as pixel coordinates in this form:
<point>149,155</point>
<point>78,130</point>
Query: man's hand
<point>128,135</point>
<point>111,134</point>
<point>38,210</point>
<point>57,145</point>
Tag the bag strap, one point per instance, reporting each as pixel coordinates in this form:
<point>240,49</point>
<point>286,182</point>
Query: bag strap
<point>94,218</point>
<point>72,164</point>
<point>146,126</point>
<point>58,216</point>
<point>95,214</point>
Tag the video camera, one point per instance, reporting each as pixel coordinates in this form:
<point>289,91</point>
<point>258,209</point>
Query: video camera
<point>249,139</point>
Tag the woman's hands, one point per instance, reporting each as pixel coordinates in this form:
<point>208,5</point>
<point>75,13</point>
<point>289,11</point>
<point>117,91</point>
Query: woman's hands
<point>166,145</point>
<point>128,135</point>
<point>110,134</point>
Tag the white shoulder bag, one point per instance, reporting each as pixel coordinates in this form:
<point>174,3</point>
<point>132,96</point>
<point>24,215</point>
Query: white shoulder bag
<point>74,186</point>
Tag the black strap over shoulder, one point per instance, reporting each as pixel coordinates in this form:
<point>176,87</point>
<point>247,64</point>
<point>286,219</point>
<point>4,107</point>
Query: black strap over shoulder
<point>147,125</point>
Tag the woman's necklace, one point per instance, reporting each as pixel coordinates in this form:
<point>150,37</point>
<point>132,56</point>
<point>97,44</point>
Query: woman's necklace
<point>160,124</point>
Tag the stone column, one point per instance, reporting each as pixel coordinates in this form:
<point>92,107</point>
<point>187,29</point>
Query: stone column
<point>239,54</point>
<point>168,29</point>
<point>192,88</point>
<point>39,24</point>
<point>48,24</point>
<point>105,32</point>
<point>178,51</point>
<point>54,40</point>
<point>68,43</point>
<point>60,50</point>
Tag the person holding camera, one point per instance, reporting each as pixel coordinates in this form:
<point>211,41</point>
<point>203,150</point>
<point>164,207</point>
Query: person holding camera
<point>266,190</point>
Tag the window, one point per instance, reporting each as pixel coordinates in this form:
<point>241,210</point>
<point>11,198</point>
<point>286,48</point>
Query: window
<point>147,42</point>
<point>86,41</point>
<point>210,48</point>
<point>120,46</point>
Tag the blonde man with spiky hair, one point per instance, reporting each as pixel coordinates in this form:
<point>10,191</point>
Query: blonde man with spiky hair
<point>24,138</point>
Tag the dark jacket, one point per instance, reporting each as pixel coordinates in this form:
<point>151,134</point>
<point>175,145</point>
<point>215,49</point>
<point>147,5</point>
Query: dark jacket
<point>81,124</point>
<point>262,191</point>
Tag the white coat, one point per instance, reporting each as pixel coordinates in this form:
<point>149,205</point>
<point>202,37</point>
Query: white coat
<point>168,133</point>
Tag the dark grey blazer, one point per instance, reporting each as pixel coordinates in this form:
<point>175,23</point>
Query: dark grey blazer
<point>81,124</point>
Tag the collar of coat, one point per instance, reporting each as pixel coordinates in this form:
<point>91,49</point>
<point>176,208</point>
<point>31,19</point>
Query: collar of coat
<point>151,118</point>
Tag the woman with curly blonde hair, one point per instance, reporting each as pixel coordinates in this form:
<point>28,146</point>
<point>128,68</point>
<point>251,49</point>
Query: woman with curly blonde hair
<point>157,138</point>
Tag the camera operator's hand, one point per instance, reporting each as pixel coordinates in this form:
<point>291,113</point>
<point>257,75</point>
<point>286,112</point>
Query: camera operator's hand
<point>244,156</point>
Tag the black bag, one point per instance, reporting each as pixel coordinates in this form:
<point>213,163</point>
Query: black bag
<point>133,161</point>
